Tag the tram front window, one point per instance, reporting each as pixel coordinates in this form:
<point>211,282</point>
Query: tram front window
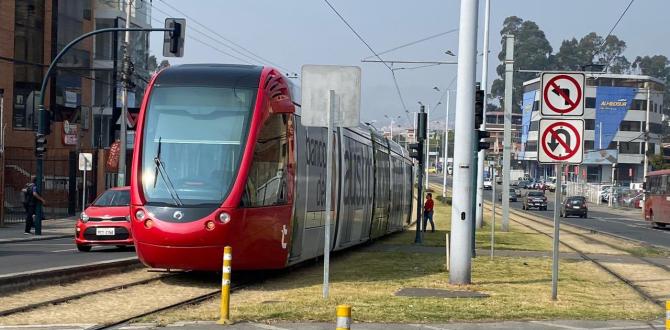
<point>193,141</point>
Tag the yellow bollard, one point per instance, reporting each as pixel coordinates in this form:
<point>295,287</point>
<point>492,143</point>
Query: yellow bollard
<point>225,286</point>
<point>667,315</point>
<point>343,317</point>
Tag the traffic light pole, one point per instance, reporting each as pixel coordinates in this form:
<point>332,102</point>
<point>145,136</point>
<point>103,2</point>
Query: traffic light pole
<point>418,149</point>
<point>42,113</point>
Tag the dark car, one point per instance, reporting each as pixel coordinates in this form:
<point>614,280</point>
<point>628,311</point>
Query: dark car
<point>574,205</point>
<point>535,199</point>
<point>106,221</point>
<point>512,195</point>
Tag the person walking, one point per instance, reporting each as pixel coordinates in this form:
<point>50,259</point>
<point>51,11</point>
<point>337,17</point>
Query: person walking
<point>30,199</point>
<point>428,213</point>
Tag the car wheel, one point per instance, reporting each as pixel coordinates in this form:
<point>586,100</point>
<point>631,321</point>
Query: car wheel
<point>523,207</point>
<point>83,248</point>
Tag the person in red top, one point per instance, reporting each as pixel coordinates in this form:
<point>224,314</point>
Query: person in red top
<point>428,213</point>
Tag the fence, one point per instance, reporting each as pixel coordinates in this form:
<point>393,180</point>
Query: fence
<point>61,185</point>
<point>623,197</point>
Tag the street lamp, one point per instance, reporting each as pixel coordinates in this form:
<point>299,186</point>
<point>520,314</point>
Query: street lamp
<point>392,119</point>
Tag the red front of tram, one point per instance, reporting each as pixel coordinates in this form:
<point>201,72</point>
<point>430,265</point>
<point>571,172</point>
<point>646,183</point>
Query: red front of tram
<point>214,165</point>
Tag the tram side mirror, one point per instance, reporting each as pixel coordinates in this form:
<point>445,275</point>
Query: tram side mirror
<point>282,105</point>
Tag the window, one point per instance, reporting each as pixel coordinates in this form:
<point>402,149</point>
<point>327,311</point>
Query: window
<point>536,105</point>
<point>631,148</point>
<point>639,105</point>
<point>629,126</point>
<point>267,184</point>
<point>103,41</point>
<point>531,146</point>
<point>590,102</point>
<point>656,128</point>
<point>588,145</point>
<point>491,119</point>
<point>590,124</point>
<point>534,125</point>
<point>652,148</point>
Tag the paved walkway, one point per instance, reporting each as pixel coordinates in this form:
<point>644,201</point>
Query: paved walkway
<point>51,229</point>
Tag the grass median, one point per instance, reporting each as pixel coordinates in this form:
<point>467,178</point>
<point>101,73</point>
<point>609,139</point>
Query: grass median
<point>519,288</point>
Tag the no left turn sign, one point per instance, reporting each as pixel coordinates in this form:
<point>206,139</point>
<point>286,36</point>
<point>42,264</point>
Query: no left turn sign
<point>562,94</point>
<point>561,141</point>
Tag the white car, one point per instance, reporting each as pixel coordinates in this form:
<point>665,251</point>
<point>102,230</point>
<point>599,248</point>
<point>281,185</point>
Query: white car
<point>487,184</point>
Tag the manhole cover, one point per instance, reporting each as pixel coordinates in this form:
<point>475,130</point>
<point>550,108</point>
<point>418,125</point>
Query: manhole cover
<point>422,292</point>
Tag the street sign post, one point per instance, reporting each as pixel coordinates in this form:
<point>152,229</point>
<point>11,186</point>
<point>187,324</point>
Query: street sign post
<point>85,164</point>
<point>331,97</point>
<point>561,141</point>
<point>562,94</point>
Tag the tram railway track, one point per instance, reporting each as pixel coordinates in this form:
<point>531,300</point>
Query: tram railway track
<point>584,255</point>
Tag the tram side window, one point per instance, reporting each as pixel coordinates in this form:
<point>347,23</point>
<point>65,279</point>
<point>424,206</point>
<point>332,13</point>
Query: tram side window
<point>266,184</point>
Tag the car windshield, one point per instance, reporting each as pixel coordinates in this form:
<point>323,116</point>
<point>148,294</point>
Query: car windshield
<point>535,194</point>
<point>113,198</point>
<point>193,143</point>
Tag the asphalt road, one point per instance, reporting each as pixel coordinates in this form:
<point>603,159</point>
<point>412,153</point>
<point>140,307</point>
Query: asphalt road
<point>633,227</point>
<point>39,255</point>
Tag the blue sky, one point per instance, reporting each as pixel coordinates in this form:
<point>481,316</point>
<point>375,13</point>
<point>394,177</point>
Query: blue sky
<point>296,32</point>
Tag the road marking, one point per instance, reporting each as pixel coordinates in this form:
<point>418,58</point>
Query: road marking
<point>267,326</point>
<point>556,325</point>
<point>63,250</point>
<point>425,326</point>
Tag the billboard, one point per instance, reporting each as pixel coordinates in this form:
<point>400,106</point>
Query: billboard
<point>612,103</point>
<point>601,157</point>
<point>527,111</point>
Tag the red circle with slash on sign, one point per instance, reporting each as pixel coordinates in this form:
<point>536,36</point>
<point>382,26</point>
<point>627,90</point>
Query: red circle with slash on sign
<point>552,86</point>
<point>560,140</point>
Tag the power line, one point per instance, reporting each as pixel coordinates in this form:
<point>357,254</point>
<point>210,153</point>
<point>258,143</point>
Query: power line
<point>416,42</point>
<point>609,61</point>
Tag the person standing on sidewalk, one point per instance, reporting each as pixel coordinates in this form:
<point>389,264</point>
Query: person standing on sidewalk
<point>30,199</point>
<point>428,213</point>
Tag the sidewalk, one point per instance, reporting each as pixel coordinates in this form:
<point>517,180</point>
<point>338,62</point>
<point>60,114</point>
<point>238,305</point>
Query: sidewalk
<point>51,228</point>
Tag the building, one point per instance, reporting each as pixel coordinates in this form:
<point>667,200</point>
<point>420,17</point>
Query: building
<point>33,32</point>
<point>616,107</point>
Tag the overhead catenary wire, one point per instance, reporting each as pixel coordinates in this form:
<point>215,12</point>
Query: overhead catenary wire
<point>415,42</point>
<point>609,61</point>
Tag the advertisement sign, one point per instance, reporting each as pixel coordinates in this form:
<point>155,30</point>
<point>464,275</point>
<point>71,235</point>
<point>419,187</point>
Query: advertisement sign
<point>70,135</point>
<point>527,112</point>
<point>601,157</point>
<point>112,164</point>
<point>612,103</point>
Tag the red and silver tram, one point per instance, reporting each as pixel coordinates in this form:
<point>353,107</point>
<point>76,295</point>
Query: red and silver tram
<point>220,158</point>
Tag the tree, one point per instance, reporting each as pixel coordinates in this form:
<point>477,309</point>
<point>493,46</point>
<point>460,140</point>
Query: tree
<point>164,64</point>
<point>531,51</point>
<point>592,49</point>
<point>655,66</point>
<point>658,163</point>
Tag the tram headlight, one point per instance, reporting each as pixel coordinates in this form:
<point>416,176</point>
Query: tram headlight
<point>84,217</point>
<point>139,214</point>
<point>224,217</point>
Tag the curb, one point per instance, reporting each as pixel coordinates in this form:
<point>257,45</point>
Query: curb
<point>34,238</point>
<point>19,281</point>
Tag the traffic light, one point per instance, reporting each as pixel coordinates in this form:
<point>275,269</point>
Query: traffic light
<point>479,108</point>
<point>173,40</point>
<point>421,126</point>
<point>416,151</point>
<point>479,136</point>
<point>40,145</point>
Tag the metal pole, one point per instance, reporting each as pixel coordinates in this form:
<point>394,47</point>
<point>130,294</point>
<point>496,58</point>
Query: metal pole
<point>600,135</point>
<point>41,111</point>
<point>479,212</point>
<point>419,181</point>
<point>493,223</point>
<point>507,135</point>
<point>329,192</point>
<point>461,224</point>
<point>446,151</point>
<point>557,224</point>
<point>645,167</point>
<point>427,164</point>
<point>121,179</point>
<point>83,188</point>
<point>2,151</point>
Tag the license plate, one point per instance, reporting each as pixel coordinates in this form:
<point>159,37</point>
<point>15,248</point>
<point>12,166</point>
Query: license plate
<point>104,231</point>
<point>575,207</point>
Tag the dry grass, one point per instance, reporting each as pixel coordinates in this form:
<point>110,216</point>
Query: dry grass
<point>651,279</point>
<point>48,293</point>
<point>519,289</point>
<point>117,305</point>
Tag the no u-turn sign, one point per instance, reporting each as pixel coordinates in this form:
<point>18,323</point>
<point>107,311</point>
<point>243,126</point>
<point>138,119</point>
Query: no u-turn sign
<point>561,141</point>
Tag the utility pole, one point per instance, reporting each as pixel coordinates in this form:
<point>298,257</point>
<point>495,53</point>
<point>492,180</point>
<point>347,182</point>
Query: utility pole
<point>446,150</point>
<point>479,211</point>
<point>121,180</point>
<point>507,135</point>
<point>645,167</point>
<point>427,162</point>
<point>460,263</point>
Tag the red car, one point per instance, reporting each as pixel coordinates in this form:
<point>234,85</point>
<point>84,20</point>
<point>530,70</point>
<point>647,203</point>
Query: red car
<point>106,221</point>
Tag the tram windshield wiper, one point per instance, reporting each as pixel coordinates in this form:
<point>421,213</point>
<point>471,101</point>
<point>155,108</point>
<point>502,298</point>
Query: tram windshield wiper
<point>160,169</point>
